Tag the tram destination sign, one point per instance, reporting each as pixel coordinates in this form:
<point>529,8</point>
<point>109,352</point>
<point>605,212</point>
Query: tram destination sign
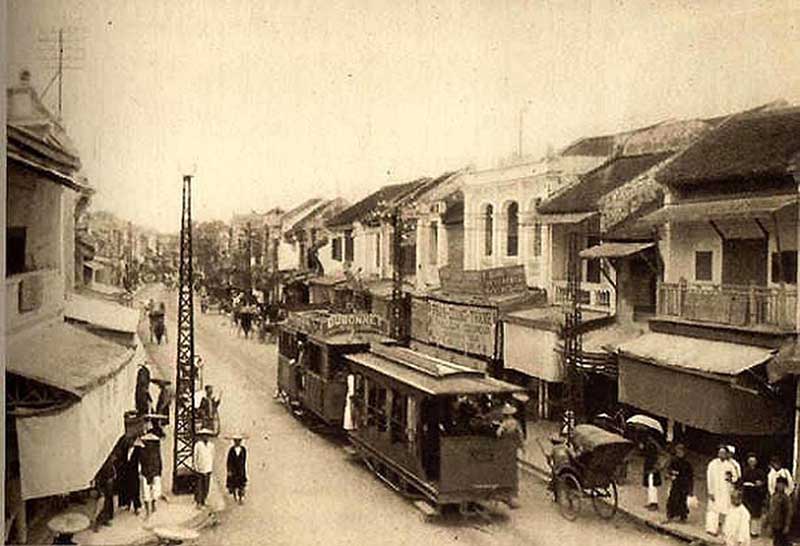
<point>464,328</point>
<point>329,324</point>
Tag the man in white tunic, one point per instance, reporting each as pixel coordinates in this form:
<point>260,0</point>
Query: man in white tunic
<point>736,529</point>
<point>721,475</point>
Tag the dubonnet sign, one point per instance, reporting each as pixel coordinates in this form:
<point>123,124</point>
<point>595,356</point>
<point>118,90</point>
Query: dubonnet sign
<point>464,328</point>
<point>327,324</point>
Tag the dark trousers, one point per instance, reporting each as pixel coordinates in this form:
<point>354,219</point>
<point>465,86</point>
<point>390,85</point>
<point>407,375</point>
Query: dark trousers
<point>201,488</point>
<point>779,538</point>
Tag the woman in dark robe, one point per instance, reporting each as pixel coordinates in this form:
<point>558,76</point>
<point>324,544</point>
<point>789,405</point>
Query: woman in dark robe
<point>237,469</point>
<point>754,488</point>
<point>129,489</point>
<point>682,474</point>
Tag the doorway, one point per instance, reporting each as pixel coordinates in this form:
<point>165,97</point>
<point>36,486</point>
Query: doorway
<point>744,262</point>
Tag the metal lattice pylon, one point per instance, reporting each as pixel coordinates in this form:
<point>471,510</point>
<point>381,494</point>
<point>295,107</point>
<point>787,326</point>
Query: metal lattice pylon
<point>573,342</point>
<point>183,454</point>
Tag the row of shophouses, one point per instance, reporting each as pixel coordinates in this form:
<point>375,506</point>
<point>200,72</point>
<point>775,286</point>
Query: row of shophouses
<point>687,236</point>
<point>71,354</point>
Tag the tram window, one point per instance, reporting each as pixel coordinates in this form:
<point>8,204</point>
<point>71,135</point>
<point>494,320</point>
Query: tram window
<point>372,402</point>
<point>380,406</point>
<point>314,359</point>
<point>398,421</point>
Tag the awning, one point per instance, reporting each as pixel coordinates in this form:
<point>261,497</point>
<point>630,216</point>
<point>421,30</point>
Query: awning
<point>614,250</point>
<point>693,382</point>
<point>728,209</point>
<point>696,355</point>
<point>564,218</point>
<point>532,351</point>
<point>106,315</point>
<point>93,264</point>
<point>103,375</point>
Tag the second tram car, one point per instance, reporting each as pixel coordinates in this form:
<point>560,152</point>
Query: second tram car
<point>312,375</point>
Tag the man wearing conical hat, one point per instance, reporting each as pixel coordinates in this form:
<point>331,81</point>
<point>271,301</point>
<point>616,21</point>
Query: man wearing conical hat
<point>151,466</point>
<point>237,468</point>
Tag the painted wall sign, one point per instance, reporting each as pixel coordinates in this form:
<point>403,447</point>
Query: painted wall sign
<point>486,282</point>
<point>463,328</point>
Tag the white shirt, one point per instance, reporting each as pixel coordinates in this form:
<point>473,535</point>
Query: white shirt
<point>772,477</point>
<point>736,528</point>
<point>204,457</point>
<point>237,450</point>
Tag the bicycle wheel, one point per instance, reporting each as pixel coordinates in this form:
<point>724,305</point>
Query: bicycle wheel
<point>569,495</point>
<point>605,500</point>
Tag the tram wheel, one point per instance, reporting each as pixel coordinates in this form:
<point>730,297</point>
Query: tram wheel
<point>605,500</point>
<point>569,494</point>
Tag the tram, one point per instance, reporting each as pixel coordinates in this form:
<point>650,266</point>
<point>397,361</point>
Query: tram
<point>312,375</point>
<point>429,428</point>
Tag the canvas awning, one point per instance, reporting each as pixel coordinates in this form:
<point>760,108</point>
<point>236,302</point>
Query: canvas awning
<point>614,250</point>
<point>696,355</point>
<point>728,209</point>
<point>532,351</point>
<point>694,382</point>
<point>565,218</point>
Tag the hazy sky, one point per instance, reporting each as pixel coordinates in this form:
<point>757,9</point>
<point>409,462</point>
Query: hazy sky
<point>279,101</point>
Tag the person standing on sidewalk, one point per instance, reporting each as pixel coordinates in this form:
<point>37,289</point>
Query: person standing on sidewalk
<point>722,473</point>
<point>682,475</point>
<point>129,486</point>
<point>779,516</point>
<point>754,490</point>
<point>651,475</point>
<point>736,529</point>
<point>777,470</point>
<point>203,465</point>
<point>151,466</point>
<point>237,468</point>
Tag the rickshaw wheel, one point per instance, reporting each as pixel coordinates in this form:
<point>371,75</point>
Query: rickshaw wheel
<point>569,494</point>
<point>605,500</point>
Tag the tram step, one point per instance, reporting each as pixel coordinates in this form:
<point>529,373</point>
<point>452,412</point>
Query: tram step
<point>351,451</point>
<point>426,508</point>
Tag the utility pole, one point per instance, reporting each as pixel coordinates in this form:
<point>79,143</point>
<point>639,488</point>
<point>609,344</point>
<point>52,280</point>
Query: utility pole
<point>398,304</point>
<point>249,257</point>
<point>186,371</point>
<point>571,332</point>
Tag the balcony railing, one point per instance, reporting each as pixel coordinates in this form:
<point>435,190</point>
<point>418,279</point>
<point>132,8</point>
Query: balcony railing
<point>735,305</point>
<point>599,297</point>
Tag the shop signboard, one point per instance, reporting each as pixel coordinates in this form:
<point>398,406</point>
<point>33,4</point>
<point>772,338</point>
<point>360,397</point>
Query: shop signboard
<point>499,281</point>
<point>465,328</point>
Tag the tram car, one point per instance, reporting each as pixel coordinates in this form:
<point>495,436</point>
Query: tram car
<point>312,375</point>
<point>430,428</point>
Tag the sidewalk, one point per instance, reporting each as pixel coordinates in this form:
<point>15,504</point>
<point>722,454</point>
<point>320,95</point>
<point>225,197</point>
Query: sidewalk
<point>632,496</point>
<point>179,511</point>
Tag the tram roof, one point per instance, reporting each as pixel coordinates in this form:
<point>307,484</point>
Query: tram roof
<point>428,374</point>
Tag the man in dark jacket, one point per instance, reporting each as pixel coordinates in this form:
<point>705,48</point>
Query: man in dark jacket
<point>780,513</point>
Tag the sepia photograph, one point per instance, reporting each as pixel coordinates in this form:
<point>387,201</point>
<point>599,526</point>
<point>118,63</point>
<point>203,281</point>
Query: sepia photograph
<point>401,272</point>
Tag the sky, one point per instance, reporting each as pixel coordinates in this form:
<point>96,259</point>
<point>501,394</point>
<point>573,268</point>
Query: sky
<point>269,103</point>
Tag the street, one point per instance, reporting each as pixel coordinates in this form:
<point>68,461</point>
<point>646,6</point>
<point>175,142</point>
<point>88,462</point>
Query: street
<point>304,489</point>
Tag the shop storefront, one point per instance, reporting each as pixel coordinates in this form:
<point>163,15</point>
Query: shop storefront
<point>708,391</point>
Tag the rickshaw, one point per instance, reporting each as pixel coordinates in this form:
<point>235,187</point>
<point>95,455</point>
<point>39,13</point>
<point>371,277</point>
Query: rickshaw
<point>583,466</point>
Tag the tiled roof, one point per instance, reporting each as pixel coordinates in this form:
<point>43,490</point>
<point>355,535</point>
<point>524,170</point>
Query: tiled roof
<point>360,210</point>
<point>584,195</point>
<point>751,144</point>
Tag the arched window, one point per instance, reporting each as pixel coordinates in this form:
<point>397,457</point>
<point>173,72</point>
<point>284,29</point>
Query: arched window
<point>488,229</point>
<point>512,229</point>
